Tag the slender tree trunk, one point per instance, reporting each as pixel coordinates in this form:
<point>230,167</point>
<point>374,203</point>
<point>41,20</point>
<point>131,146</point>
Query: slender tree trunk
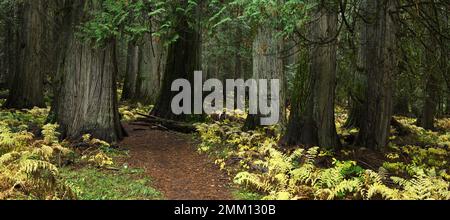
<point>431,102</point>
<point>314,124</point>
<point>152,57</point>
<point>380,64</point>
<point>401,105</point>
<point>27,89</point>
<point>430,105</point>
<point>183,58</point>
<point>3,59</point>
<point>359,81</point>
<point>11,46</point>
<point>129,87</point>
<point>86,84</point>
<point>447,110</point>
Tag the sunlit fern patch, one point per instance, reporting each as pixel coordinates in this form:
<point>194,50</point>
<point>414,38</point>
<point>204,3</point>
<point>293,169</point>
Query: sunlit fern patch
<point>260,166</point>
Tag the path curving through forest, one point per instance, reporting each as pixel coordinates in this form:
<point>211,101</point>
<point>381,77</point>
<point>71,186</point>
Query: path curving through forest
<point>174,165</point>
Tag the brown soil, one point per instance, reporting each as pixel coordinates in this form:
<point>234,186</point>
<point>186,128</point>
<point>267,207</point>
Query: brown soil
<point>174,165</point>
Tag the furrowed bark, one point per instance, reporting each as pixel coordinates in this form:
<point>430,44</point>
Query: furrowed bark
<point>267,64</point>
<point>380,64</point>
<point>27,88</point>
<point>86,85</point>
<point>129,87</point>
<point>183,58</point>
<point>152,58</point>
<point>312,122</point>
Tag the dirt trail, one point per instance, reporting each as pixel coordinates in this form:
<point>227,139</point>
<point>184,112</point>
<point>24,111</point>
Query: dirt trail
<point>175,167</point>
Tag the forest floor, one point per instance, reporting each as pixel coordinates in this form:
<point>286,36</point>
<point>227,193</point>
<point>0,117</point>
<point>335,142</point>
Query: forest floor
<point>175,166</point>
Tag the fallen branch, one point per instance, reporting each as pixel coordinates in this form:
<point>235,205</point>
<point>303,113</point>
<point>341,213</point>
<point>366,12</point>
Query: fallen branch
<point>166,124</point>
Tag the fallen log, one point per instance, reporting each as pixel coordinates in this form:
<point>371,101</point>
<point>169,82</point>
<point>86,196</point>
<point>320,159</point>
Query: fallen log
<point>182,127</point>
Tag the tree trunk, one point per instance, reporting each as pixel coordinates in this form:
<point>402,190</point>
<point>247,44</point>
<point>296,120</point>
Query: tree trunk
<point>129,86</point>
<point>358,84</point>
<point>183,58</point>
<point>11,46</point>
<point>150,70</point>
<point>312,123</point>
<point>432,90</point>
<point>379,63</point>
<point>430,104</point>
<point>267,64</point>
<point>401,105</point>
<point>27,89</point>
<point>86,84</point>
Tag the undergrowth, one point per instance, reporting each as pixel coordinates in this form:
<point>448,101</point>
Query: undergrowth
<point>260,166</point>
<point>35,164</point>
<point>123,184</point>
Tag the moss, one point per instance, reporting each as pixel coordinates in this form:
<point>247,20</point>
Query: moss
<point>90,183</point>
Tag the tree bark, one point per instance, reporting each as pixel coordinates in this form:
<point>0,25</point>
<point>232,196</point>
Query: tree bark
<point>11,45</point>
<point>129,86</point>
<point>434,67</point>
<point>27,89</point>
<point>401,105</point>
<point>86,84</point>
<point>183,58</point>
<point>267,64</point>
<point>313,122</point>
<point>430,104</point>
<point>379,63</point>
<point>152,58</point>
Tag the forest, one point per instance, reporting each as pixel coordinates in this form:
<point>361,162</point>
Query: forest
<point>360,88</point>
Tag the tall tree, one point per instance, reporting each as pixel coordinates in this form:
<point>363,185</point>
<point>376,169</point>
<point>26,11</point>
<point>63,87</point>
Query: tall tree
<point>379,64</point>
<point>183,56</point>
<point>27,89</point>
<point>151,64</point>
<point>435,69</point>
<point>131,74</point>
<point>267,64</point>
<point>312,119</point>
<point>86,81</point>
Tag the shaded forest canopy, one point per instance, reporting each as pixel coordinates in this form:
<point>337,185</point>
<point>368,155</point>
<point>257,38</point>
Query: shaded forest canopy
<point>355,74</point>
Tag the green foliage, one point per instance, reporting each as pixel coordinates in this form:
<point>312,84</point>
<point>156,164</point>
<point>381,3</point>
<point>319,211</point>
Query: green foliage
<point>110,19</point>
<point>130,20</point>
<point>126,184</point>
<point>10,140</point>
<point>261,167</point>
<point>37,168</point>
<point>287,16</point>
<point>27,169</point>
<point>132,113</point>
<point>243,194</point>
<point>22,119</point>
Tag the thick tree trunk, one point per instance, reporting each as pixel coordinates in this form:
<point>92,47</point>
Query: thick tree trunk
<point>86,85</point>
<point>152,58</point>
<point>379,63</point>
<point>267,64</point>
<point>129,86</point>
<point>314,124</point>
<point>27,89</point>
<point>183,58</point>
<point>323,68</point>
